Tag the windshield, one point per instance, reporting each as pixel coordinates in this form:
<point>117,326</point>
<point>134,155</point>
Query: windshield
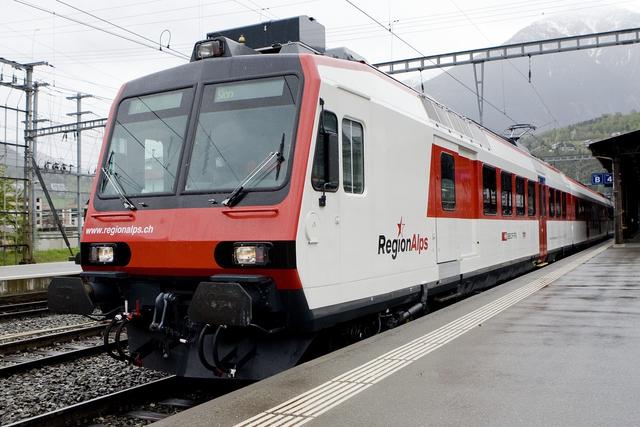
<point>239,125</point>
<point>146,143</point>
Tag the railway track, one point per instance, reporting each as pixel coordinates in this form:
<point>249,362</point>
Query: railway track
<point>21,305</point>
<point>165,396</point>
<point>64,353</point>
<point>13,311</point>
<point>24,297</point>
<point>13,343</point>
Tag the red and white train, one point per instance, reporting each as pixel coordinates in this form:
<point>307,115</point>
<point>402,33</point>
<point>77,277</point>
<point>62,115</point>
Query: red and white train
<point>266,191</point>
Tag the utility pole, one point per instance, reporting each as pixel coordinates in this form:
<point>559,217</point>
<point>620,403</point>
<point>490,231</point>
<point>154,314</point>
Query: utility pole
<point>34,143</point>
<point>28,88</point>
<point>78,97</point>
<point>27,255</point>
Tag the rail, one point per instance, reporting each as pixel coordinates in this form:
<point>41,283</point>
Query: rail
<point>45,337</point>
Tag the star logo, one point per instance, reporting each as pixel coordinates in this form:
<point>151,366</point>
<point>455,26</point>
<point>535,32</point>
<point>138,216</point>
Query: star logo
<point>400,227</point>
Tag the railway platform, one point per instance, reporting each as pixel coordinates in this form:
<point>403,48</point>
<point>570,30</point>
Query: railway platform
<point>33,271</point>
<point>558,346</point>
<point>29,278</point>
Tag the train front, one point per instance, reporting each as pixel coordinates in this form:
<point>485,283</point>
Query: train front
<point>188,246</point>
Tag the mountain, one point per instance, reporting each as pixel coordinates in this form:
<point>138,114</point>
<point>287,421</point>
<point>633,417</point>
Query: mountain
<point>565,87</point>
<point>567,147</point>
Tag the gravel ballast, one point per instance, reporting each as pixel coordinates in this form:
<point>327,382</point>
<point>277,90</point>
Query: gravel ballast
<point>53,387</point>
<point>14,326</point>
<point>10,358</point>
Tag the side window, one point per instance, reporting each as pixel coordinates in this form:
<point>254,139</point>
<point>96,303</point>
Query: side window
<point>531,198</point>
<point>489,193</point>
<point>558,213</point>
<point>352,157</point>
<point>564,205</point>
<point>519,196</point>
<point>324,150</point>
<point>448,182</point>
<point>543,199</point>
<point>507,193</point>
<point>552,202</point>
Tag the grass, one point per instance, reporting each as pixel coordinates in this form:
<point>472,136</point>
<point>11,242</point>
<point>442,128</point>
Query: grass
<point>51,255</point>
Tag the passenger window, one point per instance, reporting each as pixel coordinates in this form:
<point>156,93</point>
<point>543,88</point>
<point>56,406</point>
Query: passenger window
<point>552,202</point>
<point>448,182</point>
<point>519,196</point>
<point>531,198</point>
<point>507,194</point>
<point>352,157</point>
<point>563,201</point>
<point>558,212</point>
<point>489,193</point>
<point>324,148</point>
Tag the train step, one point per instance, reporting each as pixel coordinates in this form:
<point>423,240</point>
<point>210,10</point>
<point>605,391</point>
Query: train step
<point>448,297</point>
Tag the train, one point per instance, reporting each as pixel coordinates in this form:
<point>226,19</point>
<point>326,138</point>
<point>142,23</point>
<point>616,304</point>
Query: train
<point>271,190</point>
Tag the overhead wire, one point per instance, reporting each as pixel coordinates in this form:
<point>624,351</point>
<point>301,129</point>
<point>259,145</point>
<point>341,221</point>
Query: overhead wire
<point>179,55</point>
<point>21,21</point>
<point>140,22</point>
<point>422,54</point>
<point>120,27</point>
<point>535,90</point>
<point>428,25</point>
<point>259,10</point>
<point>101,71</point>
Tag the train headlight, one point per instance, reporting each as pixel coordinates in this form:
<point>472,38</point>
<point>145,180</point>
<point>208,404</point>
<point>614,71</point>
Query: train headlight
<point>251,253</point>
<point>102,254</point>
<point>209,49</point>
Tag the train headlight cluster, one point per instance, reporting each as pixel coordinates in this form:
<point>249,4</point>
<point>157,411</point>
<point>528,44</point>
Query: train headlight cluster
<point>209,49</point>
<point>102,254</point>
<point>251,253</point>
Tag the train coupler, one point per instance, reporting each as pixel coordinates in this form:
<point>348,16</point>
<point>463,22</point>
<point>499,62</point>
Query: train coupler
<point>116,348</point>
<point>163,301</point>
<point>237,354</point>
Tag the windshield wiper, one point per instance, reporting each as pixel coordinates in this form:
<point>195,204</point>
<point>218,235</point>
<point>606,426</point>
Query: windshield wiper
<point>266,165</point>
<point>115,182</point>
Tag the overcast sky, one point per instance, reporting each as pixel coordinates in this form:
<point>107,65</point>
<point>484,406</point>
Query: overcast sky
<point>91,61</point>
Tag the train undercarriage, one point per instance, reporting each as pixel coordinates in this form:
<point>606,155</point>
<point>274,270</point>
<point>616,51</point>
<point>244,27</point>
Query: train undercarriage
<point>228,327</point>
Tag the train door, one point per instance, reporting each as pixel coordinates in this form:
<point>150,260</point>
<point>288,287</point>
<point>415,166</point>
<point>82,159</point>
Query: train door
<point>356,216</point>
<point>447,239</point>
<point>542,198</point>
<point>321,212</point>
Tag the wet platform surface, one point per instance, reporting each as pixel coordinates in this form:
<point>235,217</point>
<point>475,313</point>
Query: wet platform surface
<point>32,271</point>
<point>559,346</point>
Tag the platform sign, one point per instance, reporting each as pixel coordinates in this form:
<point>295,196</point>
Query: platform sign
<point>597,178</point>
<point>600,178</point>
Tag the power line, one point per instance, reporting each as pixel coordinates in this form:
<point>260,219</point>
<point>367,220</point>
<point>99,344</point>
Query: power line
<point>122,28</point>
<point>20,21</point>
<point>118,79</point>
<point>429,25</point>
<point>259,10</point>
<point>447,17</point>
<point>445,71</point>
<point>385,28</point>
<point>535,90</point>
<point>179,55</point>
<point>140,22</point>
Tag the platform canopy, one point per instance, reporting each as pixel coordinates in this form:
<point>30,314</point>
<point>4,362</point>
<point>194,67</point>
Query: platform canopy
<point>620,155</point>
